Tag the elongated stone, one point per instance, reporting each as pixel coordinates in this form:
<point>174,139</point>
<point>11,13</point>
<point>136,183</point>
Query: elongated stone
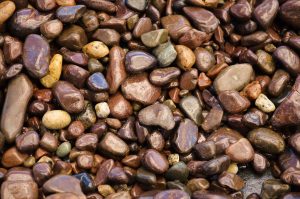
<point>19,92</point>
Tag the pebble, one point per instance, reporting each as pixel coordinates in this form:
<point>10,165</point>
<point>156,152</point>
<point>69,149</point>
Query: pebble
<point>72,57</point>
<point>193,38</point>
<point>172,194</point>
<point>120,195</point>
<point>103,171</point>
<point>19,184</point>
<point>127,131</point>
<point>264,104</point>
<point>63,184</point>
<point>186,136</point>
<point>70,14</point>
<point>87,142</point>
<point>28,141</point>
<point>119,106</point>
<point>216,166</point>
<point>273,187</point>
<point>155,37</point>
<point>88,117</point>
<point>213,119</point>
<point>165,54</point>
<point>234,77</point>
<point>266,12</point>
<point>286,112</point>
<point>41,171</point>
<point>254,39</point>
<point>76,75</point>
<point>95,49</point>
<point>102,110</point>
<point>49,142</point>
<point>192,108</point>
<point>139,61</point>
<point>18,94</point>
<point>105,190</point>
<point>69,97</point>
<point>56,119</point>
<point>163,76</point>
<point>51,29</point>
<point>146,177</point>
<point>206,150</point>
<point>176,25</point>
<point>142,26</point>
<point>118,176</point>
<point>97,82</point>
<point>113,145</point>
<point>202,19</point>
<point>197,184</point>
<point>157,115</point>
<point>73,38</point>
<point>116,72</point>
<point>86,181</point>
<point>294,141</point>
<point>241,10</point>
<point>138,88</point>
<point>53,75</point>
<point>63,149</point>
<point>155,161</point>
<point>252,90</point>
<point>241,151</point>
<point>265,62</point>
<point>12,158</point>
<point>36,61</point>
<point>291,176</point>
<point>231,181</point>
<point>233,102</point>
<point>288,58</point>
<point>7,9</point>
<point>288,13</point>
<point>278,82</point>
<point>267,140</point>
<point>178,171</point>
<point>185,57</point>
<point>260,163</point>
<point>205,60</point>
<point>12,49</point>
<point>27,21</point>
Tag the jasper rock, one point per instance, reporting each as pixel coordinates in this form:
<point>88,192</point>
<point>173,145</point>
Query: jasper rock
<point>158,115</point>
<point>186,136</point>
<point>63,184</point>
<point>234,77</point>
<point>36,55</point>
<point>202,19</point>
<point>77,58</point>
<point>138,88</point>
<point>288,58</point>
<point>112,145</point>
<point>116,72</point>
<point>19,184</point>
<point>70,14</point>
<point>155,161</point>
<point>267,140</point>
<point>241,151</point>
<point>18,94</point>
<point>266,12</point>
<point>192,108</point>
<point>289,13</point>
<point>12,157</point>
<point>138,61</point>
<point>233,102</point>
<point>27,21</point>
<point>73,38</point>
<point>177,25</point>
<point>172,194</point>
<point>69,97</point>
<point>286,113</point>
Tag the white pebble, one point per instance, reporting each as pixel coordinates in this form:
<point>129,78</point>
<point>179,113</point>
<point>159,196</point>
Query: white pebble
<point>102,110</point>
<point>264,104</point>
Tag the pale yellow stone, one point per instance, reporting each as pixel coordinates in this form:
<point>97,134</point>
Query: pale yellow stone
<point>173,158</point>
<point>47,160</point>
<point>233,168</point>
<point>54,72</point>
<point>185,57</point>
<point>56,119</point>
<point>29,162</point>
<point>7,8</point>
<point>66,2</point>
<point>95,49</point>
<point>105,190</point>
<point>264,104</point>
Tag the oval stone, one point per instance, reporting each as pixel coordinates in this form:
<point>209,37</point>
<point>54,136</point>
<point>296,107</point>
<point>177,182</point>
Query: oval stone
<point>137,61</point>
<point>155,161</point>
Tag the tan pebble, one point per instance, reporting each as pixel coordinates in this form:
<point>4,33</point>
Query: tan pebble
<point>7,8</point>
<point>95,49</point>
<point>56,119</point>
<point>105,190</point>
<point>185,57</point>
<point>66,2</point>
<point>54,72</point>
<point>173,158</point>
<point>233,168</point>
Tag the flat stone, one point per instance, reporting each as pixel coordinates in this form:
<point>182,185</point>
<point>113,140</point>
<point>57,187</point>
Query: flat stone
<point>192,108</point>
<point>138,61</point>
<point>157,115</point>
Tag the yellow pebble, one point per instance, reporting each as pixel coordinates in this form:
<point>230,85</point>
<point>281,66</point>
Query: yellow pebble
<point>54,73</point>
<point>56,119</point>
<point>185,57</point>
<point>66,2</point>
<point>95,49</point>
<point>29,162</point>
<point>7,8</point>
<point>105,190</point>
<point>233,168</point>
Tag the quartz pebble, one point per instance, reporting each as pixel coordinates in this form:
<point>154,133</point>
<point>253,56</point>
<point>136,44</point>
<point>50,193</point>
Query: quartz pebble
<point>264,104</point>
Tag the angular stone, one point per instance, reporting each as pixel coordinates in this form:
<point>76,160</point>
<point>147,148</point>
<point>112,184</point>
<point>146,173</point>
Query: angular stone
<point>165,54</point>
<point>192,108</point>
<point>154,38</point>
<point>112,145</point>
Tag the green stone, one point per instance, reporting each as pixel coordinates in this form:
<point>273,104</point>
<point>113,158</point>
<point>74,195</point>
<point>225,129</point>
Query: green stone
<point>63,149</point>
<point>165,54</point>
<point>178,171</point>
